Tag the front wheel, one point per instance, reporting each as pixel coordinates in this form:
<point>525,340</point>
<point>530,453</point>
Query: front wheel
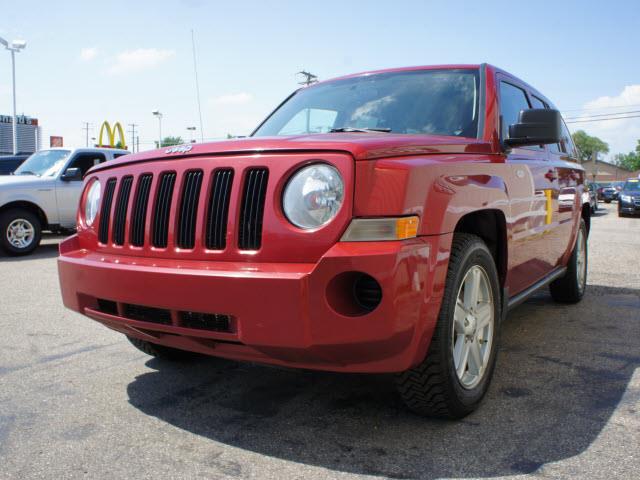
<point>455,375</point>
<point>570,288</point>
<point>21,231</point>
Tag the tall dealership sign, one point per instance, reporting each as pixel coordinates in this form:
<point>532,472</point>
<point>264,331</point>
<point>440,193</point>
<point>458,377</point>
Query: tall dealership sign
<point>111,135</point>
<point>28,134</point>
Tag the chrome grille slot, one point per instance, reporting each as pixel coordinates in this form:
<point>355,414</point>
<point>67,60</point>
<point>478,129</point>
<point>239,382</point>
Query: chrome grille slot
<point>105,212</point>
<point>189,208</point>
<point>162,210</point>
<point>139,213</point>
<point>252,210</point>
<point>216,230</point>
<point>122,204</point>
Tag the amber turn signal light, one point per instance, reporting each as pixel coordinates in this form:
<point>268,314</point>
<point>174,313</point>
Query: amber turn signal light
<point>381,229</point>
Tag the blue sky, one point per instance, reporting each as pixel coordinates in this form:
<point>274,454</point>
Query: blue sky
<point>117,60</point>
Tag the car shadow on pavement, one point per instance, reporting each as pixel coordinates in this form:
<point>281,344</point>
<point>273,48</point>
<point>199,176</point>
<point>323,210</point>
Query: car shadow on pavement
<point>561,372</point>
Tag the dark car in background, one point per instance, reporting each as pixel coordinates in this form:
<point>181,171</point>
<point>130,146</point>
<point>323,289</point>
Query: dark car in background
<point>629,198</point>
<point>9,163</point>
<point>609,193</point>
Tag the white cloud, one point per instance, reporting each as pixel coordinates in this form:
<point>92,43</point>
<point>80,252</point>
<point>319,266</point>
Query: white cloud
<point>232,99</point>
<point>622,134</point>
<point>88,53</point>
<point>139,59</point>
<point>4,89</point>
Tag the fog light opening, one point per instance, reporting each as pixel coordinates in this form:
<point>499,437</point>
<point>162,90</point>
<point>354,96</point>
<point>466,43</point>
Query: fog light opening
<point>354,294</point>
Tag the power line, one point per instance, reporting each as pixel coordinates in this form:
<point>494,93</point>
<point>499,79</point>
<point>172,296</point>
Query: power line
<point>603,119</point>
<point>600,108</point>
<point>601,115</point>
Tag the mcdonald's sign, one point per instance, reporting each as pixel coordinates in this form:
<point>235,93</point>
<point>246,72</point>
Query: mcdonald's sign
<point>111,134</point>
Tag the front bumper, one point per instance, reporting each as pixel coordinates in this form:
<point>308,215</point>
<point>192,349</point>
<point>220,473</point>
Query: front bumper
<point>632,207</point>
<point>282,313</point>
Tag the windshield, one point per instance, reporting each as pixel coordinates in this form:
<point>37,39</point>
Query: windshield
<point>437,102</point>
<point>632,185</point>
<point>45,163</point>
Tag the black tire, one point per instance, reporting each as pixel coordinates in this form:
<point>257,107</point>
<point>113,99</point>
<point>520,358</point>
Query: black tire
<point>570,288</point>
<point>7,219</point>
<point>433,388</point>
<point>162,352</point>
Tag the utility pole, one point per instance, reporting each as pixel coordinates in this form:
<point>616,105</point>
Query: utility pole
<point>133,137</point>
<point>86,133</point>
<point>309,78</point>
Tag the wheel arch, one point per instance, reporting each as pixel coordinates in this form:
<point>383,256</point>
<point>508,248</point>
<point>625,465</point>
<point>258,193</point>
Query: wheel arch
<point>491,226</point>
<point>29,206</point>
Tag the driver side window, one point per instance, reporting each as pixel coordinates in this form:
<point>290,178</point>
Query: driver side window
<point>84,161</point>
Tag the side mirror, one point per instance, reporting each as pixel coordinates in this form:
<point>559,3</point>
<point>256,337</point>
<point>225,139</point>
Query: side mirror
<point>71,174</point>
<point>537,126</point>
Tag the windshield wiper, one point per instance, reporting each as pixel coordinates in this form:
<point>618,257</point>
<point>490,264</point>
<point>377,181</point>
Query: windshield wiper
<point>28,172</point>
<point>362,130</point>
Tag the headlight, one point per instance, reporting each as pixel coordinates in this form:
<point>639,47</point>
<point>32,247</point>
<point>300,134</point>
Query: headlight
<point>313,196</point>
<point>626,198</point>
<point>92,203</point>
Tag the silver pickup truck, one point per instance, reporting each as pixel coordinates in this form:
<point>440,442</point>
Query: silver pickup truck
<point>43,194</point>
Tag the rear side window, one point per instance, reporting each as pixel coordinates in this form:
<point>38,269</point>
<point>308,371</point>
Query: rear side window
<point>566,144</point>
<point>537,103</point>
<point>512,101</point>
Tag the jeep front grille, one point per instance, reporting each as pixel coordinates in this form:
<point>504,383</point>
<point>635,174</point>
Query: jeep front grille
<point>162,210</point>
<point>255,188</point>
<point>189,209</point>
<point>218,209</point>
<point>105,214</point>
<point>139,213</point>
<point>142,210</point>
<point>121,210</point>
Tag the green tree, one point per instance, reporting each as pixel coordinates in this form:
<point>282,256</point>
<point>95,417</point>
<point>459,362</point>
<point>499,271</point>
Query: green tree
<point>588,145</point>
<point>171,141</point>
<point>630,161</point>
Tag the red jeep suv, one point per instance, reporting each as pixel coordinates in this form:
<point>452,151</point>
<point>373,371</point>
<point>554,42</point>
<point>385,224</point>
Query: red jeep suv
<point>379,222</point>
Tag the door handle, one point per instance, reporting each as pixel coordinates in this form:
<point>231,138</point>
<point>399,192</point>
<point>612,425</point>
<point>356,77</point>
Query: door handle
<point>550,175</point>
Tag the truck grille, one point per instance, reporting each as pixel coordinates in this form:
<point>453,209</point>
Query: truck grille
<point>154,197</point>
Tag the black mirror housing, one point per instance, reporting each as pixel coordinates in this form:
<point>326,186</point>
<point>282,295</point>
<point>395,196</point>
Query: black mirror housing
<point>71,174</point>
<point>537,126</point>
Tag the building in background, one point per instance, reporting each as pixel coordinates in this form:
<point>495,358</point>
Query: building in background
<point>607,172</point>
<point>28,134</point>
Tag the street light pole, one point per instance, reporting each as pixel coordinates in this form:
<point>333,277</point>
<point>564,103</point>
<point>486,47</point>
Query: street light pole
<point>158,114</point>
<point>14,47</point>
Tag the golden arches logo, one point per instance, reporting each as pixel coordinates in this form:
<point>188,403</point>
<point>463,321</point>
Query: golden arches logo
<point>111,134</point>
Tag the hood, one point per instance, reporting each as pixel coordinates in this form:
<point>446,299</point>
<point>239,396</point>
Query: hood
<point>18,181</point>
<point>362,146</point>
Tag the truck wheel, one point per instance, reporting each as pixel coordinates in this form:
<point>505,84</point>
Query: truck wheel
<point>162,352</point>
<point>453,378</point>
<point>570,288</point>
<point>21,231</point>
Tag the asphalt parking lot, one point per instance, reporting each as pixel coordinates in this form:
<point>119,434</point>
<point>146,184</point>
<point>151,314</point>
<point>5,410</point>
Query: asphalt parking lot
<point>77,401</point>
